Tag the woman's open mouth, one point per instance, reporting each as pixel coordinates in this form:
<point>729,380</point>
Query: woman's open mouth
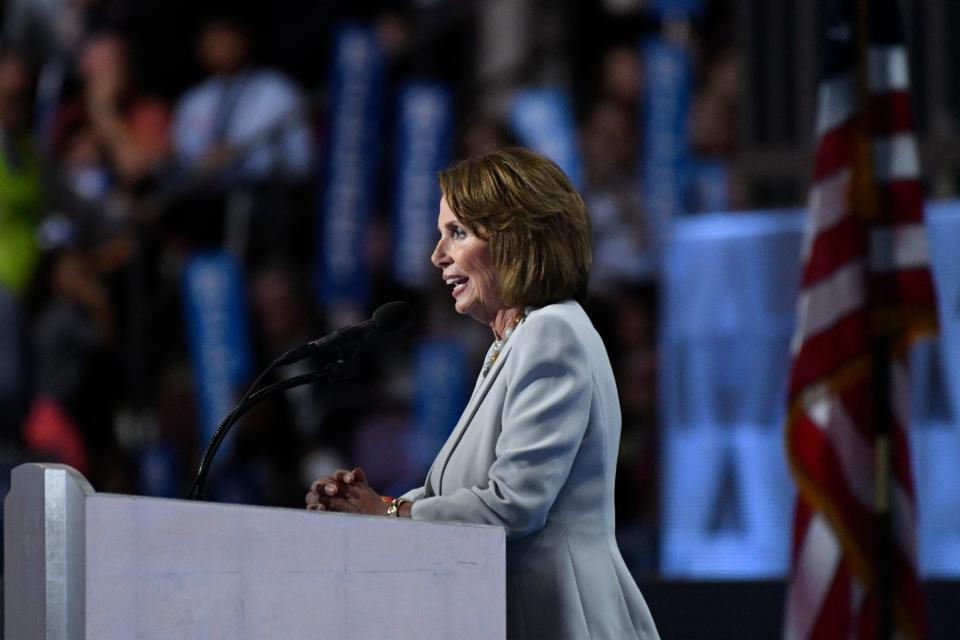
<point>458,283</point>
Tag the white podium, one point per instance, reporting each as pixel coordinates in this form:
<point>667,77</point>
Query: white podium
<point>81,564</point>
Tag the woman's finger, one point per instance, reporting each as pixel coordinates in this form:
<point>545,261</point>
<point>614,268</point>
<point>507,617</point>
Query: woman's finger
<point>343,505</point>
<point>329,485</point>
<point>317,486</point>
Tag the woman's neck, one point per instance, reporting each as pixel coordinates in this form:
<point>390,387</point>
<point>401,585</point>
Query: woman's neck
<point>503,320</point>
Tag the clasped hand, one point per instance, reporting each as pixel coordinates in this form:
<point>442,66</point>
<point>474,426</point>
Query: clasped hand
<point>345,491</point>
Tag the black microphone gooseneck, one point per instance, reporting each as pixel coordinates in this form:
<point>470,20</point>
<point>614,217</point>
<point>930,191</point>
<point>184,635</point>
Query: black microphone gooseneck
<point>343,343</point>
<point>335,349</point>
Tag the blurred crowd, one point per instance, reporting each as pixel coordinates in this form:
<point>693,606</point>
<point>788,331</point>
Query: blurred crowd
<point>135,134</point>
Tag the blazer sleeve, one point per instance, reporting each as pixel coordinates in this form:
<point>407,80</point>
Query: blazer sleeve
<point>415,494</point>
<point>544,418</point>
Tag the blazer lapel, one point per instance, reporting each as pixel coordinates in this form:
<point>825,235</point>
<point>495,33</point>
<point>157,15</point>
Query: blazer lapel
<point>479,393</point>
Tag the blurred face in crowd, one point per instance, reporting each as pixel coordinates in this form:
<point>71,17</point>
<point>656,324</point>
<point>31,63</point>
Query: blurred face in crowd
<point>105,59</point>
<point>14,94</point>
<point>464,258</point>
<point>608,141</point>
<point>621,74</point>
<point>223,48</point>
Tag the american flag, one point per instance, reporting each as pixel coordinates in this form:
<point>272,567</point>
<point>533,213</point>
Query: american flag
<point>866,295</point>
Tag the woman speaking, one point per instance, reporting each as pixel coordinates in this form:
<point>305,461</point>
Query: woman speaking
<point>535,450</point>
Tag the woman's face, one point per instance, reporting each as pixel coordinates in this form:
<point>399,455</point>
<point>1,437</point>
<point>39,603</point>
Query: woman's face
<point>465,261</point>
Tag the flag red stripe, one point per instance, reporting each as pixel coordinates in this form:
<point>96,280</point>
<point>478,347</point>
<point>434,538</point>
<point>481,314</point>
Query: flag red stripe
<point>815,454</point>
<point>890,113</point>
<point>801,521</point>
<point>868,619</point>
<point>903,289</point>
<point>834,248</point>
<point>897,302</point>
<point>824,353</point>
<point>902,201</point>
<point>908,591</point>
<point>834,151</point>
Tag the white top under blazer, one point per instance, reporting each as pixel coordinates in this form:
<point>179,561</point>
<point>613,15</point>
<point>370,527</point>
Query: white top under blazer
<point>535,452</point>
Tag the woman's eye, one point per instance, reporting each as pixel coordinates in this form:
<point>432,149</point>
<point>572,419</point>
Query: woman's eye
<point>459,233</point>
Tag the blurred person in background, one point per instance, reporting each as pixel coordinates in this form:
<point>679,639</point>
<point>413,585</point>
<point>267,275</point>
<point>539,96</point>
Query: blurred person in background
<point>21,203</point>
<point>243,122</point>
<point>536,448</point>
<point>72,335</point>
<point>625,240</point>
<point>244,151</point>
<point>133,128</point>
<point>112,143</point>
<point>129,129</point>
<point>624,284</point>
<point>273,287</point>
<point>713,137</point>
<point>20,181</point>
<point>485,135</point>
<point>621,76</point>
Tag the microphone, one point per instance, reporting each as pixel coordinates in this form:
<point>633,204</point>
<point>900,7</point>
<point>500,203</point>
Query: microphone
<point>337,346</point>
<point>391,317</point>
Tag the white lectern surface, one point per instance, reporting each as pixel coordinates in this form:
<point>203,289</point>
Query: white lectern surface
<point>110,566</point>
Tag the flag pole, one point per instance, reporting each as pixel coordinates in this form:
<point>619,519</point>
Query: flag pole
<point>883,457</point>
<point>864,197</point>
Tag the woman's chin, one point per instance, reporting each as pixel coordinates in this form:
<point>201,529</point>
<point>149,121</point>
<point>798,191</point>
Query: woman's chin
<point>467,308</point>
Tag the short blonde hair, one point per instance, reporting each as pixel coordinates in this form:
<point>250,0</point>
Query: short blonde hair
<point>535,221</point>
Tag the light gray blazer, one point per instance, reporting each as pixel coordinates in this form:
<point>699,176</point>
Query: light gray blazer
<point>535,452</point>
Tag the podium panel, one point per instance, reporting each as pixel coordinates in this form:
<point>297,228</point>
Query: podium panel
<point>131,567</point>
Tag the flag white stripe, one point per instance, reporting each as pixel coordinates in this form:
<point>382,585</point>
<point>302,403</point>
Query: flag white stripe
<point>836,101</point>
<point>815,569</point>
<point>888,69</point>
<point>895,158</point>
<point>854,452</point>
<point>826,412</point>
<point>899,247</point>
<point>821,305</point>
<point>827,205</point>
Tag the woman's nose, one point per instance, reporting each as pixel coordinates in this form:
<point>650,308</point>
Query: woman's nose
<point>439,256</point>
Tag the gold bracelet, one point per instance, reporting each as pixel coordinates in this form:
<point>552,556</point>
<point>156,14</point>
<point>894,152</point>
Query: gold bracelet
<point>393,511</point>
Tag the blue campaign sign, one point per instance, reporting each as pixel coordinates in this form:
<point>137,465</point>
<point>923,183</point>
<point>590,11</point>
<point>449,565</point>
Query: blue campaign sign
<point>440,394</point>
<point>709,187</point>
<point>943,223</point>
<point>356,89</point>
<point>935,400</point>
<point>666,156</point>
<point>677,9</point>
<point>543,120</point>
<point>730,285</point>
<point>731,282</point>
<point>217,334</point>
<point>424,147</point>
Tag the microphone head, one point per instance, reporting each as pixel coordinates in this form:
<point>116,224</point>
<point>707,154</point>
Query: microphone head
<point>393,316</point>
